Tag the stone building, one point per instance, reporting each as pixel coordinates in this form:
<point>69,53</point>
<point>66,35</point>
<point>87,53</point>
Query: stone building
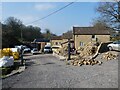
<point>62,40</point>
<point>40,43</point>
<point>56,40</point>
<point>83,35</point>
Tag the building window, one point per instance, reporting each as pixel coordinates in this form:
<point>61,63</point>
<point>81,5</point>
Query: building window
<point>93,36</point>
<point>56,43</point>
<point>81,44</point>
<point>59,43</point>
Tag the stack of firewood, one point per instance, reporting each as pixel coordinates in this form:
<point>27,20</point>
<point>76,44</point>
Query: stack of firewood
<point>61,51</point>
<point>88,50</point>
<point>85,62</point>
<point>109,56</point>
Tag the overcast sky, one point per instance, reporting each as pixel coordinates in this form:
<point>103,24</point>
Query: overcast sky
<point>77,14</point>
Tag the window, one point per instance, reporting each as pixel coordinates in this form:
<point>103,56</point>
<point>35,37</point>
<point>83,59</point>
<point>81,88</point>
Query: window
<point>56,43</point>
<point>81,44</point>
<point>55,47</point>
<point>93,36</point>
<point>47,47</point>
<point>59,43</point>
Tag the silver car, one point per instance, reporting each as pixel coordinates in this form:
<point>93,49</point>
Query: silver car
<point>34,51</point>
<point>26,50</point>
<point>114,46</point>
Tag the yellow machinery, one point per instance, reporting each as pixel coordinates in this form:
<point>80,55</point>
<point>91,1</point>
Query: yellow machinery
<point>15,55</point>
<point>1,53</point>
<point>9,52</point>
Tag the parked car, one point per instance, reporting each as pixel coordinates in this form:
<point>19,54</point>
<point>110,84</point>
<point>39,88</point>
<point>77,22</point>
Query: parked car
<point>26,50</point>
<point>34,51</point>
<point>114,46</point>
<point>55,48</point>
<point>47,49</point>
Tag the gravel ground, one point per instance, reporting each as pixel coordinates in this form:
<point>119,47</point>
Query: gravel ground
<point>47,71</point>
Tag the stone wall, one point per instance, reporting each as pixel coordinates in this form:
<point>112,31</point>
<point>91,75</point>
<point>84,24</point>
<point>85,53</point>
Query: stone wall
<point>81,40</point>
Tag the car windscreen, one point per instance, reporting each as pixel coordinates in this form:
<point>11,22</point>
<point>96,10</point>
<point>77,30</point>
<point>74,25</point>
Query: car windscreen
<point>55,47</point>
<point>35,50</point>
<point>116,42</point>
<point>47,47</point>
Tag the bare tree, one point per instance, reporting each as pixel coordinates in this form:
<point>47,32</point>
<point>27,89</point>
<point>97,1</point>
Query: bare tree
<point>110,13</point>
<point>99,24</point>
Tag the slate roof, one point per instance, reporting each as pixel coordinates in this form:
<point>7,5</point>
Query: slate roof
<point>41,40</point>
<point>90,31</point>
<point>56,38</point>
<point>67,35</point>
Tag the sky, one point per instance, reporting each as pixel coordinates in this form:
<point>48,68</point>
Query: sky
<point>77,14</point>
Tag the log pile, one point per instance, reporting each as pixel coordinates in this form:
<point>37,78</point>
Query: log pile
<point>62,51</point>
<point>85,62</point>
<point>109,56</point>
<point>88,49</point>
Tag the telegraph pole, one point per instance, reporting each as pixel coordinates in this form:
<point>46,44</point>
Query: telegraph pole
<point>21,51</point>
<point>21,35</point>
<point>118,14</point>
<point>21,55</point>
<point>119,10</point>
<point>69,54</point>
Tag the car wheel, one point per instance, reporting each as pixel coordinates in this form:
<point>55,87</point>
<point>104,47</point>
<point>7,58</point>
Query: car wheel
<point>110,48</point>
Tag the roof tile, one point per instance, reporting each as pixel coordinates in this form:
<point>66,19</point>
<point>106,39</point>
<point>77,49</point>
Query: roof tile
<point>90,30</point>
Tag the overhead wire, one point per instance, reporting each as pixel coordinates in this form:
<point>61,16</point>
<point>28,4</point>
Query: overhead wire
<point>52,12</point>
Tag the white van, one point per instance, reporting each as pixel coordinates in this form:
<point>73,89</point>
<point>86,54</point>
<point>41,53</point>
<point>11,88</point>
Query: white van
<point>47,49</point>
